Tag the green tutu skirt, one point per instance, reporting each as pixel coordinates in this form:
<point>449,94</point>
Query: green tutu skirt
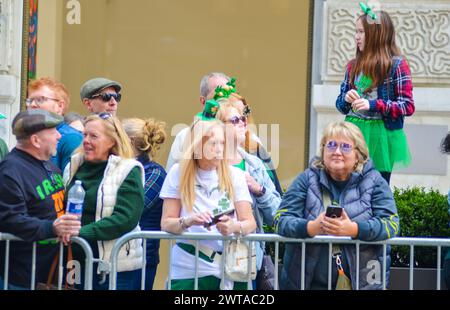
<point>388,149</point>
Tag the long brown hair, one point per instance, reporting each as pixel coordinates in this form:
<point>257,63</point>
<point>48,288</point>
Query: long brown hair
<point>375,60</point>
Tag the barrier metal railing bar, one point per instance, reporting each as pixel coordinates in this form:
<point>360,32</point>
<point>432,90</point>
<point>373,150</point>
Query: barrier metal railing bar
<point>330,240</point>
<point>81,242</point>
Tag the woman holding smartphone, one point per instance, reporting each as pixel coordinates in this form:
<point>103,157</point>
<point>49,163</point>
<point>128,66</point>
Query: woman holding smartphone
<point>202,185</point>
<point>341,173</point>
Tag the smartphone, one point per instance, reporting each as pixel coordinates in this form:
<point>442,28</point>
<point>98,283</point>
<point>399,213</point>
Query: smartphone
<point>216,217</point>
<point>334,211</point>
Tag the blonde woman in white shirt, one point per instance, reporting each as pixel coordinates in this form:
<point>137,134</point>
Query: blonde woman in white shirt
<point>200,186</point>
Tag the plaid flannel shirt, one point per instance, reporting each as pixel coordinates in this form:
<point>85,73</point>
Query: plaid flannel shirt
<point>395,97</point>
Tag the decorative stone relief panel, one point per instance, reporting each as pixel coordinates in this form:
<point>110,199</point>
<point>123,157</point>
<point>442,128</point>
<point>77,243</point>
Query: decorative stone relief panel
<point>5,35</point>
<point>422,33</point>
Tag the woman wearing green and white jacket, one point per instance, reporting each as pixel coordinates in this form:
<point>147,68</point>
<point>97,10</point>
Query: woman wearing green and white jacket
<point>114,200</point>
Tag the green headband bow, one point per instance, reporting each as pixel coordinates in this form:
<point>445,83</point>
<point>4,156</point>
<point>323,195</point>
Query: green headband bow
<point>368,10</point>
<point>227,90</point>
<point>2,116</point>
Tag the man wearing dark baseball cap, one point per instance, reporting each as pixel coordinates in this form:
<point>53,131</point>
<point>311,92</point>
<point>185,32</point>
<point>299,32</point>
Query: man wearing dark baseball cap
<point>101,95</point>
<point>32,197</point>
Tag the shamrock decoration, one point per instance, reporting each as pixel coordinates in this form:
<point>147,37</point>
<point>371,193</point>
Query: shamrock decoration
<point>225,91</point>
<point>363,84</point>
<point>224,204</point>
<point>368,10</point>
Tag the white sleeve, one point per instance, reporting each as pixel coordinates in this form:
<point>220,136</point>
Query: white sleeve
<point>177,149</point>
<point>240,188</point>
<point>171,185</point>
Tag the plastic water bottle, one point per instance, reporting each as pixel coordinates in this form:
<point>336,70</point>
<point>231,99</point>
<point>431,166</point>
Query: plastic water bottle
<point>75,200</point>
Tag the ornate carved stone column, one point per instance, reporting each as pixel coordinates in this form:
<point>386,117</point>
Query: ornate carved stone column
<point>422,32</point>
<point>10,64</point>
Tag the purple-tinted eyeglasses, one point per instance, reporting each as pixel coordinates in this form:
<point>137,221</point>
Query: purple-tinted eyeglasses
<point>332,146</point>
<point>236,119</point>
<point>105,115</point>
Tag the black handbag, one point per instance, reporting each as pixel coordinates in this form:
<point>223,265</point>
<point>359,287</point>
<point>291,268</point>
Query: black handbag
<point>265,278</point>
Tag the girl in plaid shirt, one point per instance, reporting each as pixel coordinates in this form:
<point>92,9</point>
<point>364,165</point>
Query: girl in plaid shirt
<point>376,93</point>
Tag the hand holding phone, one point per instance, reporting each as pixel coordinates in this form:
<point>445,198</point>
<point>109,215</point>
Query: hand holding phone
<point>216,217</point>
<point>334,211</point>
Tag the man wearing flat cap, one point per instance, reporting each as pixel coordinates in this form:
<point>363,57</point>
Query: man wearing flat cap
<point>101,95</point>
<point>32,197</point>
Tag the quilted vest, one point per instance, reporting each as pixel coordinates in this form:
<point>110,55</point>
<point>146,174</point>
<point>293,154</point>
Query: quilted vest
<point>116,171</point>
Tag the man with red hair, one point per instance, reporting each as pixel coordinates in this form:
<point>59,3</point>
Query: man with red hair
<point>48,94</point>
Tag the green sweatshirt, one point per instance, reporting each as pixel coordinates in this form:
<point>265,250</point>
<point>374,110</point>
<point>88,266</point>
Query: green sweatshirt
<point>128,208</point>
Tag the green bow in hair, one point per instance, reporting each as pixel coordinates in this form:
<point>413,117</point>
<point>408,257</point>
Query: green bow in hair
<point>225,91</point>
<point>368,10</point>
<point>2,116</point>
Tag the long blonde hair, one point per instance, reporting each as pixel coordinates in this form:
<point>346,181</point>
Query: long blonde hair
<point>146,136</point>
<point>350,131</point>
<point>113,129</point>
<point>200,132</point>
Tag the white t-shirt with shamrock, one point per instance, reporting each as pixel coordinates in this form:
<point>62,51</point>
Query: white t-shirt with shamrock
<point>207,197</point>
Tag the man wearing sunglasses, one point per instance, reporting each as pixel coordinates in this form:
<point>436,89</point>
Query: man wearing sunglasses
<point>50,95</point>
<point>101,95</point>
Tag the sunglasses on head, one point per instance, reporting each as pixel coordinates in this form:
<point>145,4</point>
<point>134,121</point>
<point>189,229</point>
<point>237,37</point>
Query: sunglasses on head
<point>106,97</point>
<point>105,115</point>
<point>332,146</point>
<point>247,111</point>
<point>236,119</point>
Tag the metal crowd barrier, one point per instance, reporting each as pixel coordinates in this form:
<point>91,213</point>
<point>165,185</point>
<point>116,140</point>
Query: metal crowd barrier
<point>83,243</point>
<point>330,240</point>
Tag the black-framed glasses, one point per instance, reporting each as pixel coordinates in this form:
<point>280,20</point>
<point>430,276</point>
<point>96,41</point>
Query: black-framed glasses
<point>332,146</point>
<point>106,97</point>
<point>39,100</point>
<point>236,119</point>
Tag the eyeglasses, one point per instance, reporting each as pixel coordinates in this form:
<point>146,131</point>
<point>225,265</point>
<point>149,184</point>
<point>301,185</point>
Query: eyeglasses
<point>51,174</point>
<point>39,100</point>
<point>332,146</point>
<point>106,97</point>
<point>247,111</point>
<point>235,120</point>
<point>105,115</point>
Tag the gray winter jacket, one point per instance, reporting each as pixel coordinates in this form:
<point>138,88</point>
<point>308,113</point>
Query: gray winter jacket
<point>368,201</point>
